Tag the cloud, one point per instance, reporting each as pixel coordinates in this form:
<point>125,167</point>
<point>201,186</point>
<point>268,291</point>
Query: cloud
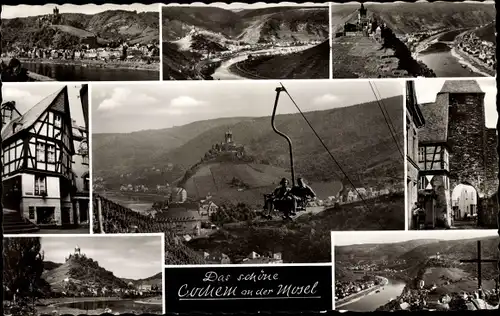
<point>186,102</point>
<point>13,93</point>
<point>122,97</point>
<point>325,99</point>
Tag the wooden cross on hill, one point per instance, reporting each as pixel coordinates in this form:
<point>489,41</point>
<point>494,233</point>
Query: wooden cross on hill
<point>479,261</point>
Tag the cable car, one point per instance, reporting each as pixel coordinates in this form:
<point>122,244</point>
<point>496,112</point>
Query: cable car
<point>284,205</point>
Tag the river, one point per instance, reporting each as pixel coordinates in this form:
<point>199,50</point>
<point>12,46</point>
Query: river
<point>78,73</point>
<point>223,72</point>
<point>440,57</point>
<point>374,300</point>
<point>138,204</point>
<point>116,306</point>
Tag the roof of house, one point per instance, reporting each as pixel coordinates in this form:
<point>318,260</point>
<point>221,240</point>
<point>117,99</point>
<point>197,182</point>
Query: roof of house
<point>31,116</point>
<point>436,123</point>
<point>461,86</point>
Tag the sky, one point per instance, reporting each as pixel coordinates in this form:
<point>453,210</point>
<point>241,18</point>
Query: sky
<point>457,191</point>
<point>258,5</point>
<point>26,95</point>
<point>18,11</point>
<point>427,89</point>
<point>385,237</point>
<point>132,257</point>
<point>122,108</point>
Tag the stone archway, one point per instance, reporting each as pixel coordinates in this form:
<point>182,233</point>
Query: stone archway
<point>464,202</point>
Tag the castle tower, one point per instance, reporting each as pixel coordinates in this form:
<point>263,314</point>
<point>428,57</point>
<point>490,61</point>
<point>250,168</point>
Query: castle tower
<point>55,16</point>
<point>229,137</point>
<point>466,131</point>
<point>362,15</point>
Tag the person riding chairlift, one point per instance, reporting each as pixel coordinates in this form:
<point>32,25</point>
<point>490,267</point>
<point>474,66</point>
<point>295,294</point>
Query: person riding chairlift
<point>281,199</point>
<point>302,193</point>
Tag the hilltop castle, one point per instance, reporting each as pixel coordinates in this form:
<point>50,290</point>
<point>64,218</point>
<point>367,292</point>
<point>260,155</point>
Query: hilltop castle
<point>226,147</point>
<point>50,19</point>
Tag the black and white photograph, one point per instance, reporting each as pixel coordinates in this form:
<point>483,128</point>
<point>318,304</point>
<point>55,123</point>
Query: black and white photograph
<point>45,158</point>
<point>234,41</point>
<point>452,178</point>
<point>86,42</point>
<point>91,275</point>
<point>413,39</point>
<point>416,271</point>
<point>248,171</point>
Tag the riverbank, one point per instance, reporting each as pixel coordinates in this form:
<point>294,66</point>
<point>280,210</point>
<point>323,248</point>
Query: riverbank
<point>357,296</point>
<point>157,300</point>
<point>133,65</point>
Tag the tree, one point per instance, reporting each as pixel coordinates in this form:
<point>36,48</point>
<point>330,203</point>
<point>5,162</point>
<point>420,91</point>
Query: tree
<point>22,270</point>
<point>65,41</point>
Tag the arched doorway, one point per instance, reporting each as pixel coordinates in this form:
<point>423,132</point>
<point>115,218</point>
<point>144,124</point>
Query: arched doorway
<point>464,202</point>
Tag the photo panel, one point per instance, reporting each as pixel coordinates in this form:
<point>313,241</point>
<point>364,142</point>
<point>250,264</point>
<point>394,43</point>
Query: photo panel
<point>413,39</point>
<point>45,158</point>
<point>229,184</point>
<point>235,41</point>
<point>89,274</point>
<point>452,154</point>
<point>87,42</point>
<point>438,270</point>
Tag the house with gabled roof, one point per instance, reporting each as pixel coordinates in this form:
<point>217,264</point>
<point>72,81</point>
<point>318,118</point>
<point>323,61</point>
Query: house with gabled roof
<point>37,159</point>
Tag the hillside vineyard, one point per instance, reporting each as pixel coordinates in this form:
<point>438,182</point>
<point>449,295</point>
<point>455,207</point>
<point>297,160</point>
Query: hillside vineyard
<point>232,157</point>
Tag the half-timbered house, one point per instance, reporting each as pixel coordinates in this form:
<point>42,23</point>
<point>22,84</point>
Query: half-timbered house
<point>414,121</point>
<point>37,154</point>
<point>433,156</point>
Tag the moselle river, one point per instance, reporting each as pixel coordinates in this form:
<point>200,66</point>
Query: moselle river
<point>438,57</point>
<point>116,306</point>
<point>372,301</point>
<point>79,73</point>
<point>140,205</point>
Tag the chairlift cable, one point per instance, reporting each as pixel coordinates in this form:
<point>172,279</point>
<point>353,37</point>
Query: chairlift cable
<point>386,120</point>
<point>387,113</point>
<point>326,148</point>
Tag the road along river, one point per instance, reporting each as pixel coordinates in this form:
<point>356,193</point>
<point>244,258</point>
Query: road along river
<point>223,72</point>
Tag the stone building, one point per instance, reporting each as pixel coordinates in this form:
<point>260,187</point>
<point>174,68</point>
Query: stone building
<point>456,148</point>
<point>414,121</point>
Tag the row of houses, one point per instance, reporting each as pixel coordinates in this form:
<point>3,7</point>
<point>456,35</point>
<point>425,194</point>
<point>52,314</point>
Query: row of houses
<point>483,50</point>
<point>252,258</point>
<point>86,52</point>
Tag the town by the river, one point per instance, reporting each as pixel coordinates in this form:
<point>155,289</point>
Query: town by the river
<point>441,55</point>
<point>75,72</point>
